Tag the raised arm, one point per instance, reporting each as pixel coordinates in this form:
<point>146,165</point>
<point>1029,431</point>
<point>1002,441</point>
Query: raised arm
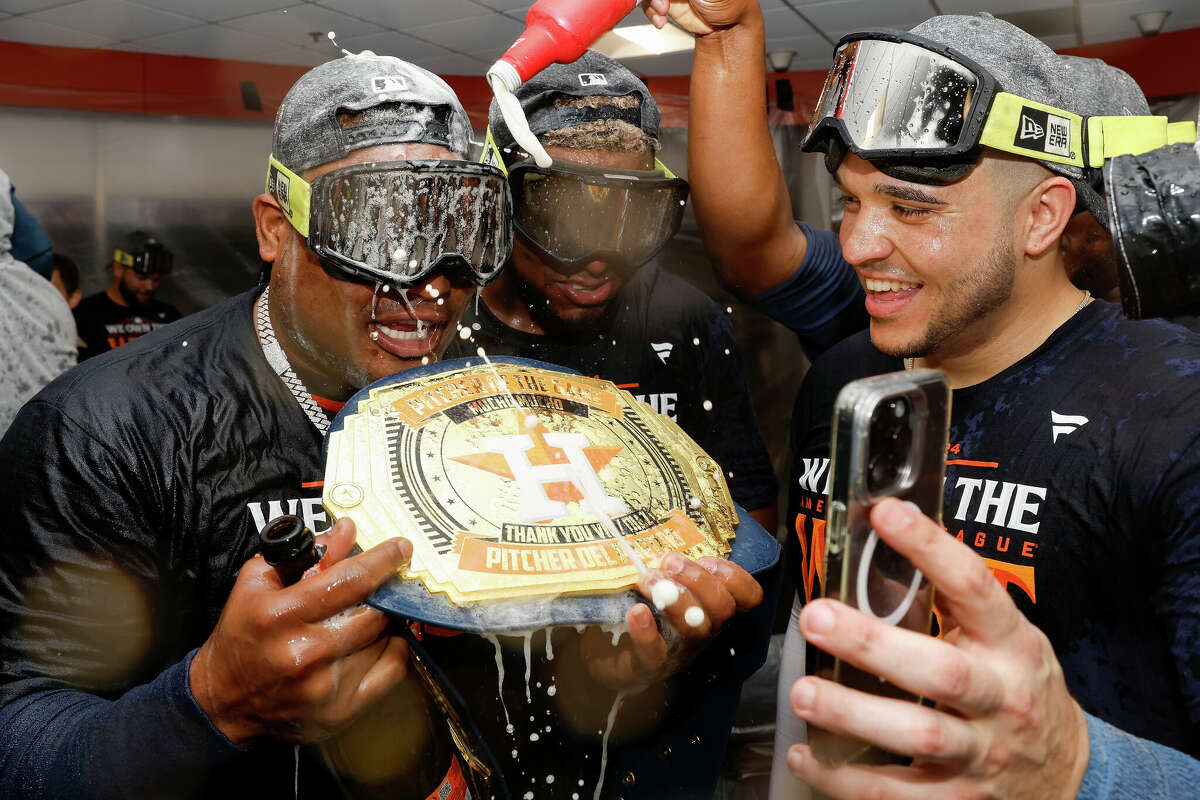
<point>738,190</point>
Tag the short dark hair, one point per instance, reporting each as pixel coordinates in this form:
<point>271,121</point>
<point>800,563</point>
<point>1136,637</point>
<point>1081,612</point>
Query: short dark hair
<point>68,272</point>
<point>603,134</point>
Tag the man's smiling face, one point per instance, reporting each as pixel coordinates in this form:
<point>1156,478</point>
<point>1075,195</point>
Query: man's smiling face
<point>934,260</point>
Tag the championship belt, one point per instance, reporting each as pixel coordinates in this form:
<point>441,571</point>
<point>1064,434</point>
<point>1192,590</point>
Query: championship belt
<point>515,483</point>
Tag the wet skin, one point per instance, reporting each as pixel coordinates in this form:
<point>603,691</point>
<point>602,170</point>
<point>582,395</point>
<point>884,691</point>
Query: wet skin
<point>324,324</point>
<point>560,299</point>
<point>973,276</point>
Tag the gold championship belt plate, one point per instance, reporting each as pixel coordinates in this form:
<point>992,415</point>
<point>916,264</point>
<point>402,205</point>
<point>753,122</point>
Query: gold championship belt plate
<point>515,481</point>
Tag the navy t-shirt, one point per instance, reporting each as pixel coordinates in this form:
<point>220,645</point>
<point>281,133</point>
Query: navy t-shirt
<point>1076,474</point>
<point>670,346</point>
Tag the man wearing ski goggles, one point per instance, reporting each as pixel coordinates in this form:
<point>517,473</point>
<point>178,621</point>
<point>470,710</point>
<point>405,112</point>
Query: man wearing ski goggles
<point>585,289</point>
<point>400,235</point>
<point>918,109</point>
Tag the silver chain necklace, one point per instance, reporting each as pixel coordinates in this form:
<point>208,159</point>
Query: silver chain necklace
<point>283,368</point>
<point>1087,298</point>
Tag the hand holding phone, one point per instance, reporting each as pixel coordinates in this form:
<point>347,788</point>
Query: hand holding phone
<point>889,439</point>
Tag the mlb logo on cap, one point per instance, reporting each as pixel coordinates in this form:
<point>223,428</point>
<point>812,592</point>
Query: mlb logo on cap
<point>592,79</point>
<point>389,83</point>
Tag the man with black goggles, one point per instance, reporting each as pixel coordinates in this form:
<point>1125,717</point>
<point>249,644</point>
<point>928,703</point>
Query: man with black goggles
<point>128,308</point>
<point>961,150</point>
<point>585,288</point>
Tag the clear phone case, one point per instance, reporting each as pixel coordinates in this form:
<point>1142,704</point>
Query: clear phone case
<point>889,439</point>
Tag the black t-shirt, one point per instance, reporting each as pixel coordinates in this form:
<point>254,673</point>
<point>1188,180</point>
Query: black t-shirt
<point>1076,474</point>
<point>135,485</point>
<point>671,347</point>
<point>104,325</point>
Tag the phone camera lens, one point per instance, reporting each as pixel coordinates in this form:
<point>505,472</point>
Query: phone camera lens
<point>889,442</point>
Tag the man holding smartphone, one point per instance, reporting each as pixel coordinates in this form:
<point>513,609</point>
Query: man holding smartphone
<point>959,150</point>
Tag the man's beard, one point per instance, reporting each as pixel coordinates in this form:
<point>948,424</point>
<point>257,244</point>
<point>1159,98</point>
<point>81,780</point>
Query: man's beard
<point>542,313</point>
<point>966,300</point>
<point>131,298</point>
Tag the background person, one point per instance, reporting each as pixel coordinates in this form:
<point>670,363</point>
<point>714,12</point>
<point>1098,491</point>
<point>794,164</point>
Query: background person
<point>127,308</point>
<point>65,278</point>
<point>37,334</point>
<point>584,288</point>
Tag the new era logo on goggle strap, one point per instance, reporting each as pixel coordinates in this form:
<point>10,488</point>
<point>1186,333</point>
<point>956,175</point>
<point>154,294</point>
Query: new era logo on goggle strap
<point>279,188</point>
<point>1041,130</point>
<point>593,79</point>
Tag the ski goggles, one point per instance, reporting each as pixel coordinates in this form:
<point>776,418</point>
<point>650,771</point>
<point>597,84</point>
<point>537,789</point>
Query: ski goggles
<point>399,222</point>
<point>893,96</point>
<point>574,214</point>
<point>153,259</point>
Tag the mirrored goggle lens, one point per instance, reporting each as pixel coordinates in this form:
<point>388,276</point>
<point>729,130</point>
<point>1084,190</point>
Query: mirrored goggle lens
<point>896,96</point>
<point>572,218</point>
<point>399,225</point>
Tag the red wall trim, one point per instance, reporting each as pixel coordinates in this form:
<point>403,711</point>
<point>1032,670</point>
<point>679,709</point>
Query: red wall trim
<point>146,83</point>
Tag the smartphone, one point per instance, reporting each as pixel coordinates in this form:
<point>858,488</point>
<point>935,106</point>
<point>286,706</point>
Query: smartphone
<point>889,439</point>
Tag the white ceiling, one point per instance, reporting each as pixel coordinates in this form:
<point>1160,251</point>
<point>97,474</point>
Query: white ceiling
<point>463,37</point>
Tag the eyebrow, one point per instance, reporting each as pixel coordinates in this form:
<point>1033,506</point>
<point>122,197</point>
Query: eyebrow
<point>908,193</point>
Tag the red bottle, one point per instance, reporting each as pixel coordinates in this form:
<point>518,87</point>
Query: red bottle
<point>558,30</point>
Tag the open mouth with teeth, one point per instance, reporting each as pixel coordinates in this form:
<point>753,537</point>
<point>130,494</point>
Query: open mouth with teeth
<point>873,285</point>
<point>407,339</point>
<point>887,298</point>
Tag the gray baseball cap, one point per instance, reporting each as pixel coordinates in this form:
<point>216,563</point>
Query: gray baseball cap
<point>1105,89</point>
<point>307,130</point>
<point>594,74</point>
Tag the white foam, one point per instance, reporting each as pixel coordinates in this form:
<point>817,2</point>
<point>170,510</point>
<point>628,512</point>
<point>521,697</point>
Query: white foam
<point>664,594</point>
<point>612,717</point>
<point>504,81</point>
<point>694,616</point>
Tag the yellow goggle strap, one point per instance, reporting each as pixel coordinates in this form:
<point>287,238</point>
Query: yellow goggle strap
<point>292,192</point>
<point>1036,130</point>
<point>1181,132</point>
<point>123,258</point>
<point>491,152</point>
<point>1109,137</point>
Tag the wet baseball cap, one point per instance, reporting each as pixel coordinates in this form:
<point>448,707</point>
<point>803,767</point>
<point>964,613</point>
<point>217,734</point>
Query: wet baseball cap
<point>398,102</point>
<point>1104,89</point>
<point>593,75</point>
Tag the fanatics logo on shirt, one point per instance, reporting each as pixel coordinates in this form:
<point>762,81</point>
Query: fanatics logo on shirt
<point>1065,424</point>
<point>662,350</point>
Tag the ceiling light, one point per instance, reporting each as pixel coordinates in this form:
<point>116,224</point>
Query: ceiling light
<point>781,59</point>
<point>1150,23</point>
<point>636,41</point>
